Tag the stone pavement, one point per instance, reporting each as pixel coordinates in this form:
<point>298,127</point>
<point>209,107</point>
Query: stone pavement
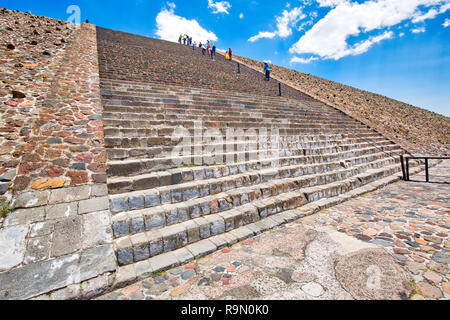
<point>389,244</point>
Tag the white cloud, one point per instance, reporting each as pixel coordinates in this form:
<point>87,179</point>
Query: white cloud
<point>241,16</point>
<point>285,23</point>
<point>418,30</point>
<point>331,3</point>
<point>261,35</point>
<point>429,15</point>
<point>328,38</point>
<point>303,60</point>
<point>170,26</point>
<point>219,6</point>
<point>446,23</point>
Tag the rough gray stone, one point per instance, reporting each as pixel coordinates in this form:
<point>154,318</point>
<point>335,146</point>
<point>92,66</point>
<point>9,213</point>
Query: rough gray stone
<point>154,221</point>
<point>151,200</point>
<point>97,261</point>
<point>136,202</point>
<point>141,253</point>
<point>32,199</point>
<point>137,225</point>
<point>69,194</point>
<point>96,229</point>
<point>125,256</point>
<point>67,236</point>
<point>93,205</point>
<point>121,228</point>
<point>38,249</point>
<point>40,229</point>
<point>39,278</point>
<point>63,210</point>
<point>99,190</point>
<point>118,205</point>
<point>442,257</point>
<point>12,246</point>
<point>24,216</point>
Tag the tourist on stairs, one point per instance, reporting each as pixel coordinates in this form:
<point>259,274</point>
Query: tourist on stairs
<point>267,71</point>
<point>230,53</point>
<point>213,52</point>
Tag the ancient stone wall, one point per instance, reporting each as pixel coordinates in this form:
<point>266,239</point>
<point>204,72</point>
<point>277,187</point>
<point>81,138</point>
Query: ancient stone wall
<point>59,237</point>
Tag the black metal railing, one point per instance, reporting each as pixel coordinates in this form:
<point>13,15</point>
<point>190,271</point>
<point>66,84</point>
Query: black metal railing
<point>405,165</point>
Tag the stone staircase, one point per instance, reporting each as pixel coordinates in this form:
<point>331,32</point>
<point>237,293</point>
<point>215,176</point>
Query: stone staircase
<point>188,205</point>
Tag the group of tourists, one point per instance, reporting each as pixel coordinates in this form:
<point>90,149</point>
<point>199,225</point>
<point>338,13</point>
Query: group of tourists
<point>209,49</point>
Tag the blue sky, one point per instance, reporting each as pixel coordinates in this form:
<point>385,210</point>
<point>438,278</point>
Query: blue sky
<point>398,48</point>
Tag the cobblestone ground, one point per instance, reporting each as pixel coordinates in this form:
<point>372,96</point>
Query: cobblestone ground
<point>389,244</point>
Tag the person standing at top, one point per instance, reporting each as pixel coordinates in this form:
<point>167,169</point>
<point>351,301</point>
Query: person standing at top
<point>184,39</point>
<point>179,39</point>
<point>267,71</point>
<point>194,44</point>
<point>208,47</point>
<point>213,51</point>
<point>230,53</point>
<point>204,49</point>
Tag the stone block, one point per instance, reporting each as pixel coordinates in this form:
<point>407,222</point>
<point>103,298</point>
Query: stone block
<point>62,210</point>
<point>39,278</point>
<point>12,246</point>
<point>99,190</point>
<point>97,261</point>
<point>155,241</point>
<point>32,199</point>
<point>136,202</point>
<point>183,255</point>
<point>121,228</point>
<point>163,262</point>
<point>93,205</point>
<point>201,248</point>
<point>69,194</point>
<point>152,199</point>
<point>38,249</point>
<point>24,217</point>
<point>154,220</point>
<point>97,229</point>
<point>137,225</point>
<point>143,269</point>
<point>125,256</point>
<point>118,205</point>
<point>67,236</point>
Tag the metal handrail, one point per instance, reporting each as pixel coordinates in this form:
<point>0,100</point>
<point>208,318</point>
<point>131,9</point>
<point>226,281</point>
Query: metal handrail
<point>405,169</point>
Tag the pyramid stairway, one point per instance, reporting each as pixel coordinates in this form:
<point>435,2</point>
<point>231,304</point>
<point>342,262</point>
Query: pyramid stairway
<point>161,205</point>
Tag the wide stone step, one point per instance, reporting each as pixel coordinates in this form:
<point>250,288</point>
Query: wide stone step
<point>137,149</point>
<point>196,198</point>
<point>132,248</point>
<point>180,159</point>
<point>288,166</point>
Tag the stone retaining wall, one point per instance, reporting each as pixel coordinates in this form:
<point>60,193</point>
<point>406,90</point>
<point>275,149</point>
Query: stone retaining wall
<point>60,239</point>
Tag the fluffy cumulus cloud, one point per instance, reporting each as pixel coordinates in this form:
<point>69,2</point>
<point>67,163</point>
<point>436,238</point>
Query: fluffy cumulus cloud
<point>170,26</point>
<point>219,6</point>
<point>446,23</point>
<point>329,37</point>
<point>303,60</point>
<point>285,23</point>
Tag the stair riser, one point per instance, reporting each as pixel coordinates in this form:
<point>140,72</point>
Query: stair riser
<point>154,243</point>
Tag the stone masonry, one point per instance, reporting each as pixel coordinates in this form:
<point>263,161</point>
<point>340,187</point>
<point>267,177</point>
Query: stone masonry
<point>59,236</point>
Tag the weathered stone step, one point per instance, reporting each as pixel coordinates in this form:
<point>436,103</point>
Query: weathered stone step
<point>183,175</point>
<point>138,151</point>
<point>135,149</point>
<point>179,183</point>
<point>140,166</point>
<point>154,145</point>
<point>249,124</point>
<point>144,269</point>
<point>153,242</point>
<point>228,191</point>
<point>111,85</point>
